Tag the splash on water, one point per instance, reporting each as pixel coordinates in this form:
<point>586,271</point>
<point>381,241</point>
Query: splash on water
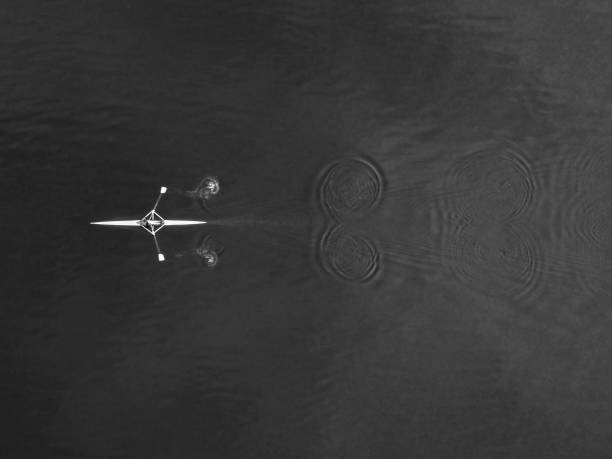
<point>208,188</point>
<point>209,251</point>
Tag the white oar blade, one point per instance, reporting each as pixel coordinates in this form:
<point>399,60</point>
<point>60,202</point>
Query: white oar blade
<point>163,189</point>
<point>118,223</point>
<point>160,257</point>
<point>183,222</point>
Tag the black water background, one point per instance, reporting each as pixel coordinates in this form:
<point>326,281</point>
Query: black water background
<point>485,329</point>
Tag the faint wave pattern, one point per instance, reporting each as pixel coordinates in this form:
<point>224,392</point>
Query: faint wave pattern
<point>588,235</point>
<point>592,167</point>
<point>495,181</point>
<point>582,205</point>
<point>498,260</point>
<point>348,256</point>
<point>591,222</point>
<point>350,188</point>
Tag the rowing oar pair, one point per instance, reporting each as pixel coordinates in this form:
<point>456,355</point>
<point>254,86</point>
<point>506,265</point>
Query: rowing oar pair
<point>152,222</point>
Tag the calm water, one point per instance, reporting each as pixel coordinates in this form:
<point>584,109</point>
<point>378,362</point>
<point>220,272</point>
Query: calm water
<point>414,229</point>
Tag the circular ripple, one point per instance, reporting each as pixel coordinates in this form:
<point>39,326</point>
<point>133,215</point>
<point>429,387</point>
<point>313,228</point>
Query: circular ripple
<point>350,187</point>
<point>585,206</point>
<point>592,223</point>
<point>588,236</point>
<point>347,256</point>
<point>592,165</point>
<point>495,181</point>
<point>498,260</point>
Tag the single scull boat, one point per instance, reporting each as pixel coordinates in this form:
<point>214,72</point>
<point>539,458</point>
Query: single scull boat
<point>152,222</point>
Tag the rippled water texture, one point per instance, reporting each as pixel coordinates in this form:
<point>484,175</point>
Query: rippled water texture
<point>587,216</point>
<point>499,260</point>
<point>411,237</point>
<point>350,188</point>
<point>347,256</point>
<point>494,182</point>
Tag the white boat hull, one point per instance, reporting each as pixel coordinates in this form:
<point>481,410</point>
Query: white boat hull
<point>183,222</point>
<point>118,223</point>
<point>137,223</point>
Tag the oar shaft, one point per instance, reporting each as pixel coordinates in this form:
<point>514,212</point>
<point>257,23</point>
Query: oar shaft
<point>160,256</point>
<point>162,191</point>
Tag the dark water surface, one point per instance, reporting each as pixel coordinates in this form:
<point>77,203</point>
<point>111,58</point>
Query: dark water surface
<point>414,229</point>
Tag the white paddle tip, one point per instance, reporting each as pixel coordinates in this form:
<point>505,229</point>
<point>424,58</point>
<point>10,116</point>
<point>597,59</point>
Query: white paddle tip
<point>163,190</point>
<point>160,257</point>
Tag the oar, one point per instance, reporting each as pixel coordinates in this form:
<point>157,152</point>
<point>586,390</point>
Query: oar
<point>160,256</point>
<point>162,191</point>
